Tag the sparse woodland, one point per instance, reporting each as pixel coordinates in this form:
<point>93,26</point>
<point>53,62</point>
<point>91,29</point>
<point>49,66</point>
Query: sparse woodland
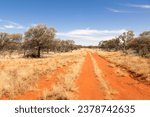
<point>41,38</point>
<point>33,42</point>
<point>128,43</point>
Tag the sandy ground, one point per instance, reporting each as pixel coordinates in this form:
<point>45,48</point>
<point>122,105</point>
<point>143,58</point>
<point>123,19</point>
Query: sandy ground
<point>44,83</point>
<point>89,87</point>
<point>120,87</point>
<point>124,87</point>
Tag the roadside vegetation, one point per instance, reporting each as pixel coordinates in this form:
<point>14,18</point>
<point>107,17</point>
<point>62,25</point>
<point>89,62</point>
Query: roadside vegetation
<point>129,44</point>
<point>66,87</point>
<point>138,67</point>
<point>130,53</point>
<point>20,75</point>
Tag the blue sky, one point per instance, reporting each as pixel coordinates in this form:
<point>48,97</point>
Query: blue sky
<point>84,21</point>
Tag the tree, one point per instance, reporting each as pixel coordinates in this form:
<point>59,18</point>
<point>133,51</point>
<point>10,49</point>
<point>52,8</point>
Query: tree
<point>4,39</point>
<point>16,37</point>
<point>145,34</point>
<point>15,41</point>
<point>126,37</point>
<point>144,43</point>
<point>70,45</point>
<point>109,44</point>
<point>63,45</point>
<point>56,45</point>
<point>39,37</point>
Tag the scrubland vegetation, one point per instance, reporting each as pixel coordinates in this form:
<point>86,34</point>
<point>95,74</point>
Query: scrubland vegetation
<point>129,44</point>
<point>20,75</point>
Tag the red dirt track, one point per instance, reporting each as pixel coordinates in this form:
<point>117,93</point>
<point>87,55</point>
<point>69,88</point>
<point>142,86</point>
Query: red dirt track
<point>125,87</point>
<point>121,88</point>
<point>88,85</point>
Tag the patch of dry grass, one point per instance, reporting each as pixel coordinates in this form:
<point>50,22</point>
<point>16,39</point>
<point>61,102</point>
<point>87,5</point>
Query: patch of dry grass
<point>20,75</point>
<point>65,88</point>
<point>139,67</point>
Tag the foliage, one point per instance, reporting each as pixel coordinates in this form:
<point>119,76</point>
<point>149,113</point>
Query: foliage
<point>35,40</point>
<point>126,41</point>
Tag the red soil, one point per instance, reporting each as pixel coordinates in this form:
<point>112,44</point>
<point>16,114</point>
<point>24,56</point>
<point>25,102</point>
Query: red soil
<point>123,88</point>
<point>44,83</point>
<point>119,87</point>
<point>89,88</point>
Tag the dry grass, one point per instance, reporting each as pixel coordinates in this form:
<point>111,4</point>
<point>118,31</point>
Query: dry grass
<point>66,88</point>
<point>139,67</point>
<point>20,75</point>
<point>8,55</point>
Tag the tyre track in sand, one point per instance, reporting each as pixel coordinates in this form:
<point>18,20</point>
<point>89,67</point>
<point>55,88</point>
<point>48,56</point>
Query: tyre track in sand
<point>89,88</point>
<point>99,81</point>
<point>125,87</point>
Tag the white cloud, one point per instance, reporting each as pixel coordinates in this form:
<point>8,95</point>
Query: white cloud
<point>8,26</point>
<point>144,6</point>
<point>5,24</point>
<point>92,36</point>
<point>87,32</point>
<point>118,11</point>
<point>83,32</point>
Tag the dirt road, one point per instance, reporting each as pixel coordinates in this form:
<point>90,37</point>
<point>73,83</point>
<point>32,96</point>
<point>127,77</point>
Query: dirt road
<point>89,87</point>
<point>120,87</point>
